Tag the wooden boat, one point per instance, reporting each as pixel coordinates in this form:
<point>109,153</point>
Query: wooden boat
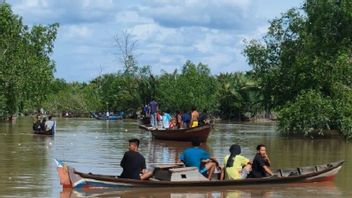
<point>40,132</point>
<point>171,177</point>
<point>110,117</point>
<point>201,132</point>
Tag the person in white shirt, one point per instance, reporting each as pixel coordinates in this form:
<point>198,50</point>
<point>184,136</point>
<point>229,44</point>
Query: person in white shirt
<point>49,124</point>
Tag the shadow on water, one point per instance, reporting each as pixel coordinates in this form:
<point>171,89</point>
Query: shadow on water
<point>327,189</point>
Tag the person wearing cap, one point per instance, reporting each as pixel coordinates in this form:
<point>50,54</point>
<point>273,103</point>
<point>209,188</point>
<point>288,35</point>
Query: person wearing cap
<point>236,166</point>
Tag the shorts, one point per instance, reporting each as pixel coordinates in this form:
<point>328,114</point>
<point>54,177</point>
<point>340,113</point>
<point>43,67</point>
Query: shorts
<point>194,124</point>
<point>204,171</point>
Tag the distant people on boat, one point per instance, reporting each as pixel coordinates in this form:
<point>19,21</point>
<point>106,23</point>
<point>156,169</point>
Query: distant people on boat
<point>166,118</point>
<point>50,124</point>
<point>236,166</point>
<point>186,118</point>
<point>172,124</point>
<point>200,158</point>
<point>153,108</point>
<point>42,125</point>
<point>36,123</point>
<point>194,117</point>
<point>203,118</point>
<point>146,111</point>
<point>261,163</point>
<point>159,119</point>
<point>133,163</point>
<point>178,118</point>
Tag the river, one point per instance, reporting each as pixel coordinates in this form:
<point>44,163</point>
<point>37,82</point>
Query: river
<point>27,167</point>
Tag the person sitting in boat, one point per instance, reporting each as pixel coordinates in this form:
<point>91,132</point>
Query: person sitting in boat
<point>42,125</point>
<point>36,123</point>
<point>236,166</point>
<point>194,117</point>
<point>200,158</point>
<point>186,118</point>
<point>261,163</point>
<point>49,125</point>
<point>133,163</point>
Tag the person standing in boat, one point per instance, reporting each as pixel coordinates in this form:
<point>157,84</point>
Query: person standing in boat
<point>146,111</point>
<point>178,118</point>
<point>194,117</point>
<point>236,166</point>
<point>133,163</point>
<point>261,163</point>
<point>203,118</point>
<point>186,118</point>
<point>153,107</point>
<point>200,158</point>
<point>166,118</point>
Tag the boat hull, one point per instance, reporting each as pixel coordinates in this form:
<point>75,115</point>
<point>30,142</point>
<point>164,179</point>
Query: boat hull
<point>50,132</point>
<point>80,180</point>
<point>201,132</point>
<point>111,117</point>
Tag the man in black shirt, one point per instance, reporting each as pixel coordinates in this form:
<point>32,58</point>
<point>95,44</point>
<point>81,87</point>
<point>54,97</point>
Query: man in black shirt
<point>261,163</point>
<point>133,163</point>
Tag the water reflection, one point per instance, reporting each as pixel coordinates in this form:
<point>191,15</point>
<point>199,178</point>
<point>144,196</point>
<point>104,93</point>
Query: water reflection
<point>327,189</point>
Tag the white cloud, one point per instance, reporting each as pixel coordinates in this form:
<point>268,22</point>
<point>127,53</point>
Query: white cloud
<point>167,32</point>
<point>78,31</point>
<point>221,14</point>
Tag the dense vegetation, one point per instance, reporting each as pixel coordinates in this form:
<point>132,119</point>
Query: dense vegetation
<point>26,69</point>
<point>302,70</point>
<point>304,67</point>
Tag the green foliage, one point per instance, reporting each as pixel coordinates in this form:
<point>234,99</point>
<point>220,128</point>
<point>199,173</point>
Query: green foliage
<point>194,86</point>
<point>307,51</point>
<point>310,113</point>
<point>237,94</point>
<point>313,115</point>
<point>26,69</point>
<point>74,98</point>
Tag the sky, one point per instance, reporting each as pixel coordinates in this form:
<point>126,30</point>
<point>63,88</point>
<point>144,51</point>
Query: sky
<point>167,32</point>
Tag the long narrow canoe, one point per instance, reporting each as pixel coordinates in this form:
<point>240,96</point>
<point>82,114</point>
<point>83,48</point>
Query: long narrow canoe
<point>70,178</point>
<point>187,134</point>
<point>49,132</point>
<point>110,117</point>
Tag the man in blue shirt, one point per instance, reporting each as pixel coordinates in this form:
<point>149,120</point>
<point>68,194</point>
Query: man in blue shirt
<point>200,158</point>
<point>186,118</point>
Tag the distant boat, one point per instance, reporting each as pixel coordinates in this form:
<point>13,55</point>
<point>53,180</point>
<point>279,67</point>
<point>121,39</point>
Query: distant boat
<point>110,117</point>
<point>40,132</point>
<point>48,132</point>
<point>175,176</point>
<point>186,134</point>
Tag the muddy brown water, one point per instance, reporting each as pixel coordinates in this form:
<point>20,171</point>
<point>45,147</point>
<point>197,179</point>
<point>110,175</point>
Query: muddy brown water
<point>27,167</point>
